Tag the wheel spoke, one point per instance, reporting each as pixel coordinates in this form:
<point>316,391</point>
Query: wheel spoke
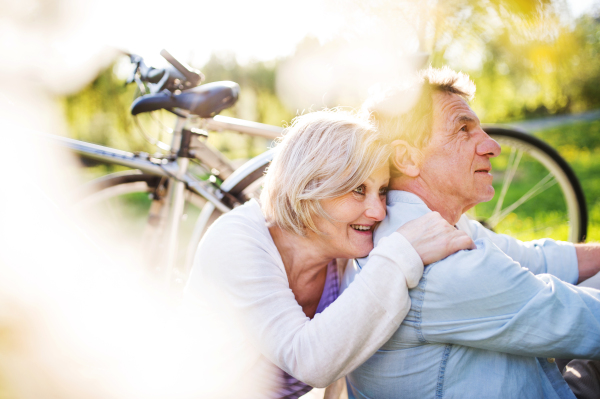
<point>540,187</point>
<point>513,163</point>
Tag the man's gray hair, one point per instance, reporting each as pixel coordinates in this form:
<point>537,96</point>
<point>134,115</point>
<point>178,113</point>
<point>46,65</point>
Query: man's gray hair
<point>397,118</point>
<point>323,154</point>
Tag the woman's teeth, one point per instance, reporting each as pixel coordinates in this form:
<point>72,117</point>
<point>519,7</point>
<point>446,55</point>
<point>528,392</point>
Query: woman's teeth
<point>360,228</point>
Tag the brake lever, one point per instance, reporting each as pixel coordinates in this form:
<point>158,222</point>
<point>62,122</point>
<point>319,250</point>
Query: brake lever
<point>132,75</point>
<point>136,60</point>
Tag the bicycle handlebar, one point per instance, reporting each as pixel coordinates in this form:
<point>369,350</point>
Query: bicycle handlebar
<point>177,76</point>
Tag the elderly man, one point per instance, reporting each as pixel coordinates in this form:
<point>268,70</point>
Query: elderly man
<point>487,322</point>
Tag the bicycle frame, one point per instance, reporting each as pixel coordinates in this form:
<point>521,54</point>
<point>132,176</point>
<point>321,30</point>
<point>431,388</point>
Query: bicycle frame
<point>164,168</point>
<point>175,169</point>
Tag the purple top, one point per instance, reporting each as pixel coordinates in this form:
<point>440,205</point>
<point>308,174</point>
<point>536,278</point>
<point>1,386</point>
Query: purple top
<point>290,387</point>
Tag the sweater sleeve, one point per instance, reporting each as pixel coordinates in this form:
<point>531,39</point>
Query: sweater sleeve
<point>240,263</point>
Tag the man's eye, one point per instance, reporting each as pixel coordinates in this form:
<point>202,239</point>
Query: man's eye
<point>464,128</point>
<point>383,191</point>
<point>360,190</point>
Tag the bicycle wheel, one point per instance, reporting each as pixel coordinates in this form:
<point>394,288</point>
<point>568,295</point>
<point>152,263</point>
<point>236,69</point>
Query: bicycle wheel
<point>129,207</point>
<point>537,192</point>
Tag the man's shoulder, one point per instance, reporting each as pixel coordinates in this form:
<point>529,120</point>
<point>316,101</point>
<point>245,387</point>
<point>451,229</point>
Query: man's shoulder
<point>471,278</point>
<point>470,264</point>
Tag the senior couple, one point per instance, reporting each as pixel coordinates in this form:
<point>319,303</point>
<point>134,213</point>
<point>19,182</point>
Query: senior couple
<point>486,318</point>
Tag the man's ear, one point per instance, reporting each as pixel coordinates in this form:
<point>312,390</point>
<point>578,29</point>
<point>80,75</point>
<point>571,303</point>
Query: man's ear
<point>405,158</point>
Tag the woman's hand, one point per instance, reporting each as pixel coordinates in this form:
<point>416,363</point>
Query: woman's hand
<point>434,238</point>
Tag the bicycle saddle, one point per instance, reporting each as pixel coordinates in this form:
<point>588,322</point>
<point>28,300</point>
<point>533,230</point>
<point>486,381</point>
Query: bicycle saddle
<point>205,101</point>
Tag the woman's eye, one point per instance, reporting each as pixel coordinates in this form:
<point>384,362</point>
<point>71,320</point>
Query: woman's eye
<point>360,190</point>
<point>383,191</point>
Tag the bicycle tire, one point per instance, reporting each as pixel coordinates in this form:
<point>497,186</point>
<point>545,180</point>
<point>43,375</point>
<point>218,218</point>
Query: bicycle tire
<point>535,150</point>
<point>122,183</point>
<point>240,186</point>
<point>116,186</point>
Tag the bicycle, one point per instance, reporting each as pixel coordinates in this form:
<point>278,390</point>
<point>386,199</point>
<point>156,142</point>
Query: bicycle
<point>170,184</point>
<point>167,179</point>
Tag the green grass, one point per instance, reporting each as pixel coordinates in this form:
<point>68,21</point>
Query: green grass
<point>579,144</point>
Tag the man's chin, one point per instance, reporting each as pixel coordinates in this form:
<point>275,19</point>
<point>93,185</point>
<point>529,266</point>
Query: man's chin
<point>488,196</point>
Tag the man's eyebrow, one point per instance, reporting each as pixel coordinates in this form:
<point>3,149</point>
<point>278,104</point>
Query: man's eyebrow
<point>464,119</point>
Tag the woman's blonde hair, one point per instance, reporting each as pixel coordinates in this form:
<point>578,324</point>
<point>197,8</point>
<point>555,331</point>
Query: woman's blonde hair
<point>323,154</point>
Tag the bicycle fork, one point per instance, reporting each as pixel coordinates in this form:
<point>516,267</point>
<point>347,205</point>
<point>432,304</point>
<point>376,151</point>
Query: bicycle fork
<point>175,202</point>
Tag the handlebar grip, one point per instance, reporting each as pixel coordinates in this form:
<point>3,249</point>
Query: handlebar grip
<point>192,76</point>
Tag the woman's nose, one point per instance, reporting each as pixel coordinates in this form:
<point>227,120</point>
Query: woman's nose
<point>488,146</point>
<point>376,209</point>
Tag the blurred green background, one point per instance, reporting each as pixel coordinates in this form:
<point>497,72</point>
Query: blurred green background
<point>530,60</point>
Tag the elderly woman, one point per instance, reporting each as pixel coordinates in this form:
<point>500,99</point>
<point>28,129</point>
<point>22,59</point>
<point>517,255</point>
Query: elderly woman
<point>274,266</point>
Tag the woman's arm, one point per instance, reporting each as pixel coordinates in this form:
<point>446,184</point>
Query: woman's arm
<point>434,238</point>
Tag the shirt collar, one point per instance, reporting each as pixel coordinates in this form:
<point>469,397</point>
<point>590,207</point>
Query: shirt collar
<point>403,196</point>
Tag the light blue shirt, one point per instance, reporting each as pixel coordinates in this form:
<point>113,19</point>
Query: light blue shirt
<point>483,322</point>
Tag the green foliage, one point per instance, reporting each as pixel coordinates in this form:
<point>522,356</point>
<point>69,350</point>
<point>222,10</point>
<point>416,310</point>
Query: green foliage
<point>533,61</point>
<point>585,91</point>
<point>526,75</point>
<point>100,113</point>
<point>528,58</point>
<point>258,102</point>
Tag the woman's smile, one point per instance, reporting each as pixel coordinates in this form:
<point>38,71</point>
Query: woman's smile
<point>349,233</point>
<point>362,228</point>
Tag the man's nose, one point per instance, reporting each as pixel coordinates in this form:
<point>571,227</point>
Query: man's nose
<point>376,208</point>
<point>488,146</point>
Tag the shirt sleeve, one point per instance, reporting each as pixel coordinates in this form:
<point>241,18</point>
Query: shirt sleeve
<point>483,299</point>
<point>239,269</point>
<point>557,258</point>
